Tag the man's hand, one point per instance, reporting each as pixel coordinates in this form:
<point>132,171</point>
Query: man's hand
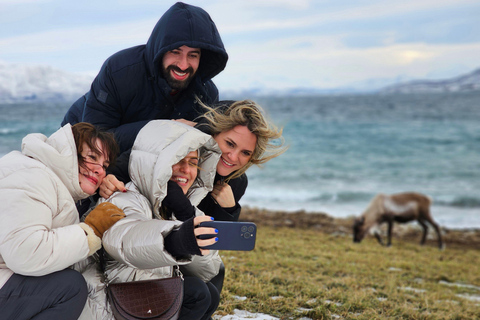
<point>223,194</point>
<point>110,184</point>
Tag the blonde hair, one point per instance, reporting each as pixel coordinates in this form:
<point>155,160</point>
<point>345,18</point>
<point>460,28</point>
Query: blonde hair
<point>229,114</point>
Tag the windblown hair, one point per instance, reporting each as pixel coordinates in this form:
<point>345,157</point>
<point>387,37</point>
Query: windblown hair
<point>226,115</point>
<point>84,132</point>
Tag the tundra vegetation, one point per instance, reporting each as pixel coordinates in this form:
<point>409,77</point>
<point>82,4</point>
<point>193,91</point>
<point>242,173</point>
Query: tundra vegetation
<point>305,266</point>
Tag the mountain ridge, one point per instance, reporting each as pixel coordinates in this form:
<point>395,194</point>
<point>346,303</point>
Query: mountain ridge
<point>40,83</point>
<point>462,83</point>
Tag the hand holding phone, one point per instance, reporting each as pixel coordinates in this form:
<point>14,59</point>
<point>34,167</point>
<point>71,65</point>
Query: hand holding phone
<point>231,235</point>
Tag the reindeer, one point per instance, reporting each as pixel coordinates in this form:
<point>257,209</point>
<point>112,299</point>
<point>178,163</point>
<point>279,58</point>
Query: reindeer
<point>400,207</point>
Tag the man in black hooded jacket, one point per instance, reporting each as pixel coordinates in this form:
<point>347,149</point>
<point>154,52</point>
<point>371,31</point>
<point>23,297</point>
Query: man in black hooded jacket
<point>158,80</point>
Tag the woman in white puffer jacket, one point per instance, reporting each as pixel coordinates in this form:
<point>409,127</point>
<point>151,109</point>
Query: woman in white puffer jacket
<point>40,232</point>
<point>143,245</point>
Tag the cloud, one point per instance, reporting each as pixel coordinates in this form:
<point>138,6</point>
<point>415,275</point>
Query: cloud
<point>320,14</point>
<point>324,62</point>
<point>123,34</point>
<point>277,43</point>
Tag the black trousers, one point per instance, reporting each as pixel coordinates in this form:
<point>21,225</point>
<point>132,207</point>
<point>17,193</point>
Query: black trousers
<point>200,299</point>
<point>217,281</point>
<point>59,295</point>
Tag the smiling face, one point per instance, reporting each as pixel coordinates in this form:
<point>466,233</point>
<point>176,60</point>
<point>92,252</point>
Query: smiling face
<point>180,65</point>
<point>93,170</point>
<point>185,172</point>
<point>237,147</point>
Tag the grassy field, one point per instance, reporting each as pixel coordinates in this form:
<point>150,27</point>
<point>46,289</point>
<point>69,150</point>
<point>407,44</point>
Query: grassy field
<point>303,272</point>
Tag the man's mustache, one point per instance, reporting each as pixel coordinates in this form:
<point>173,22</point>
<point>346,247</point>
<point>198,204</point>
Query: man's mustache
<point>175,68</point>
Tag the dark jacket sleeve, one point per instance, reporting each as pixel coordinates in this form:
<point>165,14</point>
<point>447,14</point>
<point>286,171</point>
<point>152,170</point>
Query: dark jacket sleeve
<point>126,134</point>
<point>210,207</point>
<point>75,113</point>
<point>182,242</point>
<point>103,105</point>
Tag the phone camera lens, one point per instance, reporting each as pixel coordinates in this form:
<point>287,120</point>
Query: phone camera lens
<point>244,228</point>
<point>246,235</point>
<point>250,229</point>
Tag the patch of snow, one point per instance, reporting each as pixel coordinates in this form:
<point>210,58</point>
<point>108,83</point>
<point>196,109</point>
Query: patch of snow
<point>395,269</point>
<point>411,289</point>
<point>242,315</point>
<point>471,297</point>
<point>338,304</point>
<point>303,309</point>
<point>240,298</point>
<point>461,285</point>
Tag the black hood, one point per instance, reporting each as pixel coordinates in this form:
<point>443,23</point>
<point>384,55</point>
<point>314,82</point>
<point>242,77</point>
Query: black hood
<point>191,26</point>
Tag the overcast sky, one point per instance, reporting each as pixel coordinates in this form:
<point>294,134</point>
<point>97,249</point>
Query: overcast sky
<point>271,43</point>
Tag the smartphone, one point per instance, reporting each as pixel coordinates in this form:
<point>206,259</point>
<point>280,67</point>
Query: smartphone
<point>232,235</point>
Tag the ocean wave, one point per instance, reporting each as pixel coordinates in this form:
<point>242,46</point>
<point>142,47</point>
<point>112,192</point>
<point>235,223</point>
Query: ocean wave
<point>277,195</point>
<point>459,202</point>
<point>357,198</point>
<point>7,131</point>
<point>343,197</point>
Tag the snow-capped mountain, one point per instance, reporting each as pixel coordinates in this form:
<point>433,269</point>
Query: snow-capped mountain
<point>23,83</point>
<point>32,83</point>
<point>463,83</point>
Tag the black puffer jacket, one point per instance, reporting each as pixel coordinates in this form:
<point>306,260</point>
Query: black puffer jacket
<point>129,90</point>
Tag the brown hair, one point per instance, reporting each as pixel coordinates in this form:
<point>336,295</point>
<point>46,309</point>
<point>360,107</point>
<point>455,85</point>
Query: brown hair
<point>229,114</point>
<point>84,132</point>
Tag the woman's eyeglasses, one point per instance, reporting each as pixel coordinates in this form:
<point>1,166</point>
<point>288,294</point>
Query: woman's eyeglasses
<point>104,167</point>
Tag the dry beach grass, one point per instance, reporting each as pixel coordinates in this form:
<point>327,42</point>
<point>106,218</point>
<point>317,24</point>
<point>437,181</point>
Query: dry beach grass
<point>325,223</point>
<point>306,265</point>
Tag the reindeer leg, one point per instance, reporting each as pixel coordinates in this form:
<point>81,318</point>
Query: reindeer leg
<point>390,227</point>
<point>425,230</point>
<point>441,245</point>
<point>379,238</point>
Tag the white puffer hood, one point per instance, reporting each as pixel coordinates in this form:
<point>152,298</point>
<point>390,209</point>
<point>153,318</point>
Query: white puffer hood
<point>161,144</point>
<point>59,153</point>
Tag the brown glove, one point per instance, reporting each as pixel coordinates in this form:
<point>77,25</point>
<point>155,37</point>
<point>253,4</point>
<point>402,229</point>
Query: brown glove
<point>103,217</point>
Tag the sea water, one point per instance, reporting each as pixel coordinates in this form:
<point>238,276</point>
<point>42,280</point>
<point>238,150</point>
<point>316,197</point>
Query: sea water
<point>343,150</point>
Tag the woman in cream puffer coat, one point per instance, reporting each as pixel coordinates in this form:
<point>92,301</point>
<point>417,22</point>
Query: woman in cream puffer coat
<point>40,232</point>
<point>135,247</point>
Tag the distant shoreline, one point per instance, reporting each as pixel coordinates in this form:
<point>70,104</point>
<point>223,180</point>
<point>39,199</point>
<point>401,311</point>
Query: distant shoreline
<point>469,238</point>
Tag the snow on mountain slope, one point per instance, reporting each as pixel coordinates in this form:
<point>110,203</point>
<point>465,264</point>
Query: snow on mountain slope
<point>462,83</point>
<point>23,83</point>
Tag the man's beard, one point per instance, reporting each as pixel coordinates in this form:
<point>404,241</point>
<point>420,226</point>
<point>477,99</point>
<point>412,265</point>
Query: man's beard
<point>174,83</point>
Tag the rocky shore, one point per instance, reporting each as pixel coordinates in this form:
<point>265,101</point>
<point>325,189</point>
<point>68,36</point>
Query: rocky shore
<point>454,238</point>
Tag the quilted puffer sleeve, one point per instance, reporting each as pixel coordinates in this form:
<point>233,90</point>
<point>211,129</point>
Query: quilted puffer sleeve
<point>138,240</point>
<point>39,233</point>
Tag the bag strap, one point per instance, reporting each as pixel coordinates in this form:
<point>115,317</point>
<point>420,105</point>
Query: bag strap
<point>175,271</point>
